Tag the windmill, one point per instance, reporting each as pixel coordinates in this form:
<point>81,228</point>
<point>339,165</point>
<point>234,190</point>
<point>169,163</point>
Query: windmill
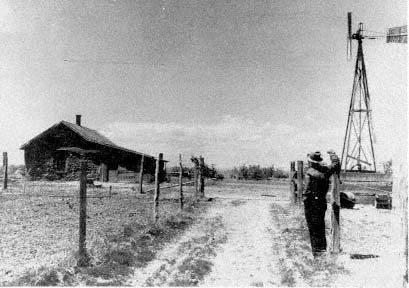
<point>358,152</point>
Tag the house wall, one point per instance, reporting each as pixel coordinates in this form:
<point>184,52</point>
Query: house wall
<point>41,155</point>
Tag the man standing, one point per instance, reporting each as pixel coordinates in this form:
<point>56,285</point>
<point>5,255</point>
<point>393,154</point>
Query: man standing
<point>315,203</point>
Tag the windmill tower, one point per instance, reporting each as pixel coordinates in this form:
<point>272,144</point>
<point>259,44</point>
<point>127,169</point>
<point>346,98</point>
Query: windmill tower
<point>358,151</point>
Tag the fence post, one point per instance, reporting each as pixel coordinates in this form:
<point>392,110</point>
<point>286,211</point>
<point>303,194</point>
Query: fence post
<point>141,175</point>
<point>83,257</point>
<point>5,168</point>
<point>201,177</point>
<point>157,189</point>
<point>104,172</point>
<point>195,171</point>
<point>300,176</point>
<point>181,182</point>
<point>336,204</point>
<point>25,180</point>
<point>292,183</point>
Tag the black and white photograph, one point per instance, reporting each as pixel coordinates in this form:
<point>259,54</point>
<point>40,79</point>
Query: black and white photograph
<point>203,143</point>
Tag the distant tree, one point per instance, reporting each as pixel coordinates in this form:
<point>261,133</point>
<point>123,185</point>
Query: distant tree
<point>243,172</point>
<point>278,173</point>
<point>209,172</point>
<point>255,172</point>
<point>267,172</point>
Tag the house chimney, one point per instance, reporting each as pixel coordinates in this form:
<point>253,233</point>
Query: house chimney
<point>78,120</point>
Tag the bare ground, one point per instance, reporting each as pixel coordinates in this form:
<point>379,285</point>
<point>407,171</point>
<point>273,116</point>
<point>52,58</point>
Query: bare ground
<point>247,258</point>
<point>231,246</point>
<point>39,233</point>
<point>251,236</point>
<point>370,231</point>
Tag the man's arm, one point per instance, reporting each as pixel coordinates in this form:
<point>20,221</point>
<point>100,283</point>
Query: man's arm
<point>335,166</point>
<point>307,181</point>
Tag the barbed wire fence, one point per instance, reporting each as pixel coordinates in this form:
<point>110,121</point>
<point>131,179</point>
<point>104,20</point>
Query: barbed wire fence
<point>173,191</point>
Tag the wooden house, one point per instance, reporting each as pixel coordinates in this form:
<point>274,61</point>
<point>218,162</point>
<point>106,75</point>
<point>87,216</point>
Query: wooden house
<point>55,147</point>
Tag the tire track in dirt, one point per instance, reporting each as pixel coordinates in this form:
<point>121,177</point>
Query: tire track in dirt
<point>185,261</point>
<point>246,259</point>
<point>230,246</point>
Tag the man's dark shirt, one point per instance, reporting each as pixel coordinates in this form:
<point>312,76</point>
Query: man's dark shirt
<point>317,178</point>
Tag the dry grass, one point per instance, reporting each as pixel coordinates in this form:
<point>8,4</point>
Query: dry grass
<point>192,260</point>
<point>40,233</point>
<point>297,265</point>
<point>369,251</point>
<point>198,264</point>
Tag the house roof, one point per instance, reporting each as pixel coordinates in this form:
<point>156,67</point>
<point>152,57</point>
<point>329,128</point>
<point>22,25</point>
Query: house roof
<point>87,134</point>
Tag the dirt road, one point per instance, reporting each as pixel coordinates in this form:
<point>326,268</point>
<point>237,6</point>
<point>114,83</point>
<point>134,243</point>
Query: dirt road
<point>231,246</point>
<point>250,236</point>
<point>246,259</point>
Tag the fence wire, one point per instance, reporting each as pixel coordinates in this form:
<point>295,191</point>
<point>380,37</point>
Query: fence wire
<point>62,189</point>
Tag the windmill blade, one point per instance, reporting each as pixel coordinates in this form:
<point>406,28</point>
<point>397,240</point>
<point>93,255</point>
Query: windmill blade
<point>397,35</point>
<point>349,37</point>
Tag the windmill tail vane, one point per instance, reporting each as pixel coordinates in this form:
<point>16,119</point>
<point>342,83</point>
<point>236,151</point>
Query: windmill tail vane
<point>397,35</point>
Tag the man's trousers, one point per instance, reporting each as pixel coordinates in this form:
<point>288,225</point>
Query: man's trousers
<point>315,216</point>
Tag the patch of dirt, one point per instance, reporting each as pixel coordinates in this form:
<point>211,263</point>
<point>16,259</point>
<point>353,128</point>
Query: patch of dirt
<point>246,259</point>
<point>249,236</point>
<point>370,249</point>
<point>370,231</point>
<point>185,261</point>
<point>230,246</point>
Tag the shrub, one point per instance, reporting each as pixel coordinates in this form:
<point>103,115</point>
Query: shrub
<point>255,172</point>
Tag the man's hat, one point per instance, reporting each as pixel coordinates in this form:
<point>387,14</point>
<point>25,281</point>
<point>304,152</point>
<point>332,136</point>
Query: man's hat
<point>315,157</point>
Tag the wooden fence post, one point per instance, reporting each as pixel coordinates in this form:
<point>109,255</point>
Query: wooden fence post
<point>5,168</point>
<point>157,189</point>
<point>292,182</point>
<point>300,178</point>
<point>181,182</point>
<point>400,191</point>
<point>141,175</point>
<point>336,205</point>
<point>201,177</point>
<point>104,172</point>
<point>195,175</point>
<point>83,257</point>
<point>25,180</point>
<point>400,205</point>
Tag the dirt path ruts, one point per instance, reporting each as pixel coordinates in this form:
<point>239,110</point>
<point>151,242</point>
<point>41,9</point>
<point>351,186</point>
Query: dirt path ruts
<point>231,246</point>
<point>246,259</point>
<point>185,261</point>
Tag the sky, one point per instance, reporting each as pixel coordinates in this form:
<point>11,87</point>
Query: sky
<point>239,82</point>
